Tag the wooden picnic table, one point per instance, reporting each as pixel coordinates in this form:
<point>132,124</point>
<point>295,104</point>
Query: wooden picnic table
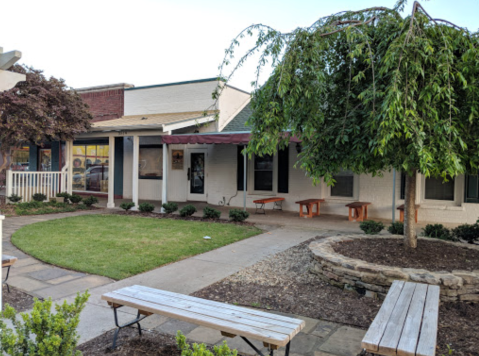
<point>260,203</point>
<point>7,262</point>
<point>272,329</point>
<point>401,212</point>
<point>309,204</point>
<point>358,211</point>
<point>406,324</point>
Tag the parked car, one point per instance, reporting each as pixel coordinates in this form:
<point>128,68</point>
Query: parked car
<point>94,176</point>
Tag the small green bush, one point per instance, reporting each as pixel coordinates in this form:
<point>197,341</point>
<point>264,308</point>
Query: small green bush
<point>146,207</point>
<point>127,205</point>
<point>39,197</point>
<point>201,349</point>
<point>65,196</point>
<point>14,198</point>
<point>396,228</point>
<point>90,201</point>
<point>170,208</point>
<point>81,207</point>
<point>371,227</point>
<point>467,232</point>
<point>43,332</point>
<point>187,210</point>
<point>75,198</point>
<point>238,215</point>
<point>438,231</point>
<point>211,213</point>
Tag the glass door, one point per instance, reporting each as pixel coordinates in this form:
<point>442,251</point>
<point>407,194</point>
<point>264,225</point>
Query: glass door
<point>197,175</point>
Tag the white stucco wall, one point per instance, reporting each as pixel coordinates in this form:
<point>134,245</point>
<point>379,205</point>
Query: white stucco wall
<point>230,103</point>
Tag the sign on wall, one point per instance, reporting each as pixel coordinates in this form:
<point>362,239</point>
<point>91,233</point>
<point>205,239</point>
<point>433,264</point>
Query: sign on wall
<point>177,159</point>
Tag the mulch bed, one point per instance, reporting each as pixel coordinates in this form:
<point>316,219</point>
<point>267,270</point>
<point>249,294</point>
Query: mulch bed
<point>19,300</point>
<point>429,255</point>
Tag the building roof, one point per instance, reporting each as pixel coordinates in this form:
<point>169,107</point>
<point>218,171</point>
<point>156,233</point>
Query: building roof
<point>104,88</point>
<point>238,123</point>
<point>151,121</point>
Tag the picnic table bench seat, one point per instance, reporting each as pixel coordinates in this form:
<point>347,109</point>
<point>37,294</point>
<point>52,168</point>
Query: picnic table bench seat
<point>260,203</point>
<point>309,204</point>
<point>406,324</point>
<point>401,212</point>
<point>273,330</point>
<point>358,211</point>
<point>7,262</point>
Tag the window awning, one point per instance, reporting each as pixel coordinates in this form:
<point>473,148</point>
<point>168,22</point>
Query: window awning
<point>213,138</point>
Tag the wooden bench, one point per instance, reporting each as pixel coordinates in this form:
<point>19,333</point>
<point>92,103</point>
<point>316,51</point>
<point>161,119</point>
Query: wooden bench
<point>406,324</point>
<point>260,203</point>
<point>401,212</point>
<point>358,211</point>
<point>7,262</point>
<point>309,204</point>
<point>274,330</point>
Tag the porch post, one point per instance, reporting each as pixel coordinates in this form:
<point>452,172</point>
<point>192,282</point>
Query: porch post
<point>70,167</point>
<point>1,252</point>
<point>394,195</point>
<point>111,172</point>
<point>164,186</point>
<point>244,179</point>
<point>136,167</point>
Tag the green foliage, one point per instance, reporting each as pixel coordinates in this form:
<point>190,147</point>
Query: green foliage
<point>146,207</point>
<point>75,198</point>
<point>211,213</point>
<point>170,208</point>
<point>396,228</point>
<point>42,332</point>
<point>39,197</point>
<point>187,210</point>
<point>371,227</point>
<point>66,197</point>
<point>36,208</point>
<point>238,215</point>
<point>201,349</point>
<point>127,205</point>
<point>438,231</point>
<point>14,198</point>
<point>90,201</point>
<point>467,232</point>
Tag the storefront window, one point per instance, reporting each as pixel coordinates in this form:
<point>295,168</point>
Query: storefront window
<point>21,159</point>
<point>45,160</point>
<point>90,168</point>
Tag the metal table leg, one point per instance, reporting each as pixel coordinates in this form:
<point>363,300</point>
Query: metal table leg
<point>271,351</point>
<point>119,327</point>
<point>6,278</point>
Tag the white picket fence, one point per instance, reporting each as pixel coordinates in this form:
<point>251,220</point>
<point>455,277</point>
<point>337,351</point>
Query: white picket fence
<point>25,184</point>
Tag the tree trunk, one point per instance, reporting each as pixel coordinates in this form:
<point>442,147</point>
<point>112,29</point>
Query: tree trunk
<point>410,237</point>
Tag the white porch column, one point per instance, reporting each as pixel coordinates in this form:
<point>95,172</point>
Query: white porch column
<point>70,167</point>
<point>111,172</point>
<point>136,166</point>
<point>164,185</point>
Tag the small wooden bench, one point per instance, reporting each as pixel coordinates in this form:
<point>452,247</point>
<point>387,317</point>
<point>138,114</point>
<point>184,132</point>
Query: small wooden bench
<point>406,324</point>
<point>260,203</point>
<point>401,212</point>
<point>309,204</point>
<point>358,211</point>
<point>7,262</point>
<point>273,330</point>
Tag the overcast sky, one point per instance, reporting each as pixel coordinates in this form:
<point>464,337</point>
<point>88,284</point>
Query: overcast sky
<point>145,42</point>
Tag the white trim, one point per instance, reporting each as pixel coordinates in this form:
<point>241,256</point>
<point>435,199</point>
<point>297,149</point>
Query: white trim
<point>135,170</point>
<point>111,172</point>
<point>232,116</point>
<point>187,123</point>
<point>251,190</point>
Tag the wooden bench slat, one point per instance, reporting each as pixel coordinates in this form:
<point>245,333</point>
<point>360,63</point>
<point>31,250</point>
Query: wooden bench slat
<point>412,326</point>
<point>200,319</point>
<point>267,200</point>
<point>427,340</point>
<point>236,317</point>
<point>8,260</point>
<point>293,323</point>
<point>376,330</point>
<point>390,339</point>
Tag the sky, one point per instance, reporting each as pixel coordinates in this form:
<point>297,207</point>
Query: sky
<point>147,42</point>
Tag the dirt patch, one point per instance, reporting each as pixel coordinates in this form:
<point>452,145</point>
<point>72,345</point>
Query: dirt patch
<point>19,300</point>
<point>429,255</point>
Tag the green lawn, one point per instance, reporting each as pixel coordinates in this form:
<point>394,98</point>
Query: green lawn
<point>119,246</point>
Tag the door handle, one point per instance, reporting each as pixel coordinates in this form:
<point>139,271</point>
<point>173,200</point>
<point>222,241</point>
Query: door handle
<point>189,172</point>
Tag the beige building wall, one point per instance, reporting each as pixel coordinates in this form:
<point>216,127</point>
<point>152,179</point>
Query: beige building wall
<point>231,101</point>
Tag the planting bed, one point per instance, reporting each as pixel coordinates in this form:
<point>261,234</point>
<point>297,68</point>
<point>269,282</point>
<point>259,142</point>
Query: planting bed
<point>17,299</point>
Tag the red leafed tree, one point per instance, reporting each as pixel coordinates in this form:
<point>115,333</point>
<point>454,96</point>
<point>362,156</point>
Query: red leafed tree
<point>39,110</point>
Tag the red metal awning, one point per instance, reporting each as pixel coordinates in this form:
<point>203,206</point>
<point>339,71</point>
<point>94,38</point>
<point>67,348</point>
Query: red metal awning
<point>220,138</point>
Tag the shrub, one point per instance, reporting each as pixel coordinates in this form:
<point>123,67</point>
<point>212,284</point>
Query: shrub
<point>467,232</point>
<point>396,228</point>
<point>438,231</point>
<point>90,201</point>
<point>211,213</point>
<point>187,210</point>
<point>42,332</point>
<point>39,197</point>
<point>14,198</point>
<point>371,227</point>
<point>146,207</point>
<point>75,198</point>
<point>170,208</point>
<point>238,215</point>
<point>65,196</point>
<point>127,205</point>
<point>82,207</point>
<point>201,349</point>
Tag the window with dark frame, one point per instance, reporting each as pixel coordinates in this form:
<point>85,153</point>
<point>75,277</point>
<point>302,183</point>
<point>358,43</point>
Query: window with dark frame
<point>151,162</point>
<point>344,186</point>
<point>437,189</point>
<point>263,173</point>
<point>471,189</point>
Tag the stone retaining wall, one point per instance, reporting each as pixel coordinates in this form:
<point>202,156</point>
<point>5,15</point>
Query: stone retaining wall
<point>374,280</point>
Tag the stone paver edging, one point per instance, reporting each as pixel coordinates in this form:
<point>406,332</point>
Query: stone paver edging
<point>374,280</point>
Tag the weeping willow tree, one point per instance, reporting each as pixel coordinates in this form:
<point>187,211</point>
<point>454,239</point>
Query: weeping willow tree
<point>368,91</point>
